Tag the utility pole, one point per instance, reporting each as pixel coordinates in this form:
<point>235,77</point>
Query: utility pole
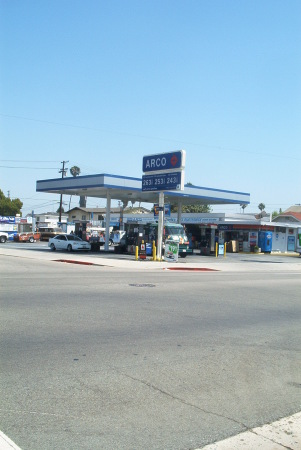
<point>63,172</point>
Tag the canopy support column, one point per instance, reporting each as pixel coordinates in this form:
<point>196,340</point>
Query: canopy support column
<point>179,218</point>
<point>108,220</point>
<point>160,225</point>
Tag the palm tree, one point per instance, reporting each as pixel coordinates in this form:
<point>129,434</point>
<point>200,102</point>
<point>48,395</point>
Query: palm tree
<point>261,206</point>
<point>75,171</point>
<point>243,207</point>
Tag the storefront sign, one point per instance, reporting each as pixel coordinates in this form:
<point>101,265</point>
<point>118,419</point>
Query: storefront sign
<point>225,227</point>
<point>7,219</point>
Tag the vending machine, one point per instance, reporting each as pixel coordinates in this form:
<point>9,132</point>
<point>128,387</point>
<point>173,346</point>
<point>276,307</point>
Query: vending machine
<point>265,241</point>
<point>298,244</point>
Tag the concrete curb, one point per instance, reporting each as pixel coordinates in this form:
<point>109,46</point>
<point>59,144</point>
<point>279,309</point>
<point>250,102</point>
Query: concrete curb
<point>284,433</point>
<point>129,263</point>
<point>6,443</point>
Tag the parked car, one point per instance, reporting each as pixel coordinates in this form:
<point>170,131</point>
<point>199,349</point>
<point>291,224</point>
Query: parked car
<point>49,232</point>
<point>27,237</point>
<point>3,237</point>
<point>96,237</point>
<point>68,242</point>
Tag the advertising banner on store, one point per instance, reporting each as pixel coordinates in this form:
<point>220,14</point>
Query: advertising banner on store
<point>171,251</point>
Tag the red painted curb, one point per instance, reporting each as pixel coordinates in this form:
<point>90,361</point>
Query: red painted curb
<point>192,269</point>
<point>71,261</point>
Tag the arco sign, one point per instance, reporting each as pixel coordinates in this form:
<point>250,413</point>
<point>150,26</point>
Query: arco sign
<point>164,161</point>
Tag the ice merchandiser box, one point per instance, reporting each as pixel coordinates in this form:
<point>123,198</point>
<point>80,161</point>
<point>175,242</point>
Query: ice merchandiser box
<point>265,241</point>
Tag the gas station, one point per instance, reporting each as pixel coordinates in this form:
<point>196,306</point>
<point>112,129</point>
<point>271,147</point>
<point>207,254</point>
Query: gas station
<point>165,187</point>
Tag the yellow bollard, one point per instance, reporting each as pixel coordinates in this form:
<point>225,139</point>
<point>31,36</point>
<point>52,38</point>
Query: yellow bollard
<point>216,249</point>
<point>154,251</point>
<point>225,249</point>
<point>136,252</point>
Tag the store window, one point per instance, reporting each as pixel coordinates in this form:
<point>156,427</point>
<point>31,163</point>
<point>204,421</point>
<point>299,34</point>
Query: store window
<point>84,217</point>
<point>246,236</point>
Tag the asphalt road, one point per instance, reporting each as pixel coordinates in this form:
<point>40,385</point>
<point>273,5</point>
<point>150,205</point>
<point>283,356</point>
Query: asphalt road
<point>95,357</point>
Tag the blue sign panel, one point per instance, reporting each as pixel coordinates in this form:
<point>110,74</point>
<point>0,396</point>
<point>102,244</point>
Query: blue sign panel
<point>165,208</point>
<point>162,182</point>
<point>164,161</point>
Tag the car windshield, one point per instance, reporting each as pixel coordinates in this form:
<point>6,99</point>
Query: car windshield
<point>73,238</point>
<point>178,231</point>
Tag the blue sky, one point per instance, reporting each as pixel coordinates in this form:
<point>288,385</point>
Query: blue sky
<point>103,83</point>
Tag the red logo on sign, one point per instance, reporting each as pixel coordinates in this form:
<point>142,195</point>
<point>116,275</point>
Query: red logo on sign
<point>174,160</point>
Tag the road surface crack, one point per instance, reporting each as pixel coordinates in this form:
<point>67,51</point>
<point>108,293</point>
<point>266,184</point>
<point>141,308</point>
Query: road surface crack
<point>185,402</point>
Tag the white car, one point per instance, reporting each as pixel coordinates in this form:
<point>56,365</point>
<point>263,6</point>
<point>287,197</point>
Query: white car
<point>3,237</point>
<point>68,242</point>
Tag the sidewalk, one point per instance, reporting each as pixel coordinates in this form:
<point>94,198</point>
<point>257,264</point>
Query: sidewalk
<point>230,263</point>
<point>6,443</point>
<point>284,433</point>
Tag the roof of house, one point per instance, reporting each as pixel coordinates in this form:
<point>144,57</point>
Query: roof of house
<point>294,208</point>
<point>94,210</point>
<point>288,216</point>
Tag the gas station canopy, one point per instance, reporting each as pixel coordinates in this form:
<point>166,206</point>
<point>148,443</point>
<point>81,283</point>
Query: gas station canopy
<point>128,189</point>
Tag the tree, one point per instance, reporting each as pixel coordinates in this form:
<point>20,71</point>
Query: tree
<point>261,206</point>
<point>9,207</point>
<point>75,171</point>
<point>193,208</point>
<point>275,214</point>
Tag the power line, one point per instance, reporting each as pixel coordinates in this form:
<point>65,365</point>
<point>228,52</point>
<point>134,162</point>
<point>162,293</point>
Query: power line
<point>41,205</point>
<point>31,168</point>
<point>178,141</point>
<point>27,161</point>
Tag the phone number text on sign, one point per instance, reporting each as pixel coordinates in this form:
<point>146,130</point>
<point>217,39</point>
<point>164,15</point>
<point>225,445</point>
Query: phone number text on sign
<point>162,181</point>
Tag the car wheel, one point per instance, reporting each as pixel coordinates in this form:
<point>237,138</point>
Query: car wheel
<point>31,240</point>
<point>52,247</point>
<point>2,239</point>
<point>69,248</point>
<point>110,242</point>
